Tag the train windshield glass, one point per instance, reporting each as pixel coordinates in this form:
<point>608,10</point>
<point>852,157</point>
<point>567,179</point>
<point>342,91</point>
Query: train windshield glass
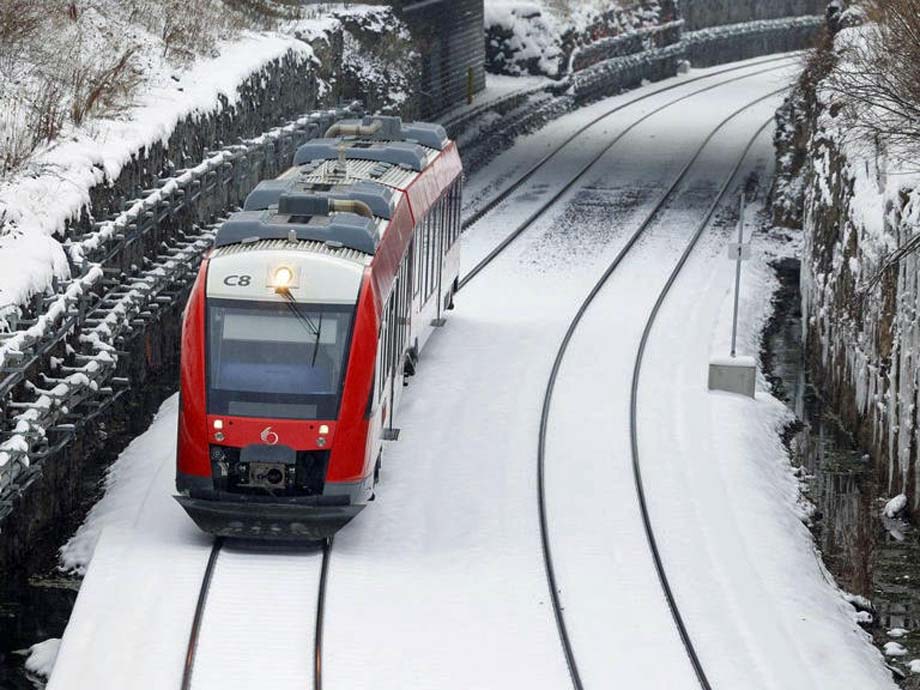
<point>277,361</point>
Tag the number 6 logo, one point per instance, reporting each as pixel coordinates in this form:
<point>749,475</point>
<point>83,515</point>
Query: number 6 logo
<point>270,437</point>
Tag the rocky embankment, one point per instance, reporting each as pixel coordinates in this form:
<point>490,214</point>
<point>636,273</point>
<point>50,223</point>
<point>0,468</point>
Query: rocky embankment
<point>858,206</point>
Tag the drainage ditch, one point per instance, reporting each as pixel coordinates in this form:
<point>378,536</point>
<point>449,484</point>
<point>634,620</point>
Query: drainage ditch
<point>869,554</point>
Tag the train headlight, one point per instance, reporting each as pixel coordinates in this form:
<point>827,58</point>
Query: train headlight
<point>283,278</point>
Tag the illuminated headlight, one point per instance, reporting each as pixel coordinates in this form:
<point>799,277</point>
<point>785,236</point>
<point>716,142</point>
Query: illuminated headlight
<point>283,278</point>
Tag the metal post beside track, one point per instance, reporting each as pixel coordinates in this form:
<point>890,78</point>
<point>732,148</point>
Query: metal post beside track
<point>735,374</point>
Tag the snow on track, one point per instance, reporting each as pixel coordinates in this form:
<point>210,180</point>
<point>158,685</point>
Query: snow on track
<point>741,628</point>
<point>259,621</point>
<point>440,583</point>
<point>451,547</point>
<point>724,494</point>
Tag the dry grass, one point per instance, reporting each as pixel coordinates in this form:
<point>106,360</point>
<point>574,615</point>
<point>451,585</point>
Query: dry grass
<point>63,62</point>
<point>877,87</point>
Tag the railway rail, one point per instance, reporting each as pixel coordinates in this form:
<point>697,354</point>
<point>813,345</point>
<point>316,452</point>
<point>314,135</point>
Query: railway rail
<point>502,196</point>
<point>661,204</point>
<point>551,201</point>
<point>202,601</point>
<point>634,405</point>
<point>661,572</point>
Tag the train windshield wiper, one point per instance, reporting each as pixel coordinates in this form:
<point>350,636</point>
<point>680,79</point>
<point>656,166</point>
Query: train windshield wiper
<point>305,320</point>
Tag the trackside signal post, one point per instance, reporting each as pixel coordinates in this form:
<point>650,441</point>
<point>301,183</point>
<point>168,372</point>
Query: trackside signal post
<point>734,374</point>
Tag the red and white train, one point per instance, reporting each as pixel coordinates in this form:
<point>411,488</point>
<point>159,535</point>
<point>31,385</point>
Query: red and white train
<point>306,317</point>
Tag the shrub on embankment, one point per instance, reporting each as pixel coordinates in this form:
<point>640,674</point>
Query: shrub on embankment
<point>65,63</point>
<point>845,142</point>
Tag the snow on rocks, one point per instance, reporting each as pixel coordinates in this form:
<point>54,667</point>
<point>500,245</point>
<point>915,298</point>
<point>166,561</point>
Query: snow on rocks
<point>895,649</point>
<point>914,666</point>
<point>897,632</point>
<point>42,656</point>
<point>895,507</point>
<point>873,195</point>
<point>527,37</point>
<point>859,602</point>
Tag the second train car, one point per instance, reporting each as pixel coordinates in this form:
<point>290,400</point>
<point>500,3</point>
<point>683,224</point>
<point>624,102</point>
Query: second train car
<point>307,315</point>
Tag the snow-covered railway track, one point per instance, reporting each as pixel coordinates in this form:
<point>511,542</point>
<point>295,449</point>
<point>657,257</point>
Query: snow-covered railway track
<point>633,413</point>
<point>775,62</point>
<point>243,584</point>
<point>648,526</point>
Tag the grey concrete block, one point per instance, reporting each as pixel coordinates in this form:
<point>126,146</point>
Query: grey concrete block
<point>733,375</point>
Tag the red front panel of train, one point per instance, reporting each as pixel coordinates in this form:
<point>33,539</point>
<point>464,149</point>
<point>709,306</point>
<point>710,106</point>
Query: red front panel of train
<point>345,438</point>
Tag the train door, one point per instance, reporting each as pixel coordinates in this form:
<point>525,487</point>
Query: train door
<point>439,216</point>
<point>411,290</point>
<point>390,363</point>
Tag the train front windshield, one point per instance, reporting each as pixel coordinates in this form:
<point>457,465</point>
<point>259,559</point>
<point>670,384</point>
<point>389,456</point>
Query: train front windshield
<point>277,360</point>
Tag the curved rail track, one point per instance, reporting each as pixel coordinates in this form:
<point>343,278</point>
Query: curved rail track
<point>213,559</point>
<point>557,364</point>
<point>633,413</point>
<point>551,201</point>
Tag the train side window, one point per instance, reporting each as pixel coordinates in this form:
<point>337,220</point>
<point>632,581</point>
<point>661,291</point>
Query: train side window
<point>449,216</point>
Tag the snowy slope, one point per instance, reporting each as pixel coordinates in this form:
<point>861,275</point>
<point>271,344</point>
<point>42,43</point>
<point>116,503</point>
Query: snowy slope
<point>35,205</point>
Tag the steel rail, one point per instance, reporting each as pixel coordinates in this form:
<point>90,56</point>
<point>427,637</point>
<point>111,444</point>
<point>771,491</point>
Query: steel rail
<point>633,416</point>
<point>549,203</point>
<point>548,397</point>
<point>505,193</point>
<point>321,617</point>
<point>195,632</point>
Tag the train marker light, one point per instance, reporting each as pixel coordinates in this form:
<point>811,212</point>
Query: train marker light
<point>323,429</point>
<point>283,279</point>
<point>218,424</point>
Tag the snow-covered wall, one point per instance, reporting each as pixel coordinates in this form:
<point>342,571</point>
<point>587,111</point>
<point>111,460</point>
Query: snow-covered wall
<point>540,39</point>
<point>730,42</point>
<point>860,213</point>
<point>615,41</point>
<point>702,14</point>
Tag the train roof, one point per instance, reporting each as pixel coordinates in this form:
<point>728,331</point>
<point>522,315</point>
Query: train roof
<point>301,218</point>
<point>379,199</point>
<point>373,160</point>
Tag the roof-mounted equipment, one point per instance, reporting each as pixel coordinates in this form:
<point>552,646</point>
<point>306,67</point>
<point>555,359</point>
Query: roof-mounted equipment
<point>348,223</point>
<point>374,195</point>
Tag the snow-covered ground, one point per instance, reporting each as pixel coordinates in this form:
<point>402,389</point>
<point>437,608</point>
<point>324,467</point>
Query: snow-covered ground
<point>440,582</point>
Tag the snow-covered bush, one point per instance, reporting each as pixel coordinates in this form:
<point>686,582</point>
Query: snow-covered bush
<point>64,63</point>
<point>540,37</point>
<point>379,63</point>
<point>877,88</point>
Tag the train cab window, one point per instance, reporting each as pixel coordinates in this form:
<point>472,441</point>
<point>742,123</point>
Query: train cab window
<point>276,360</point>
